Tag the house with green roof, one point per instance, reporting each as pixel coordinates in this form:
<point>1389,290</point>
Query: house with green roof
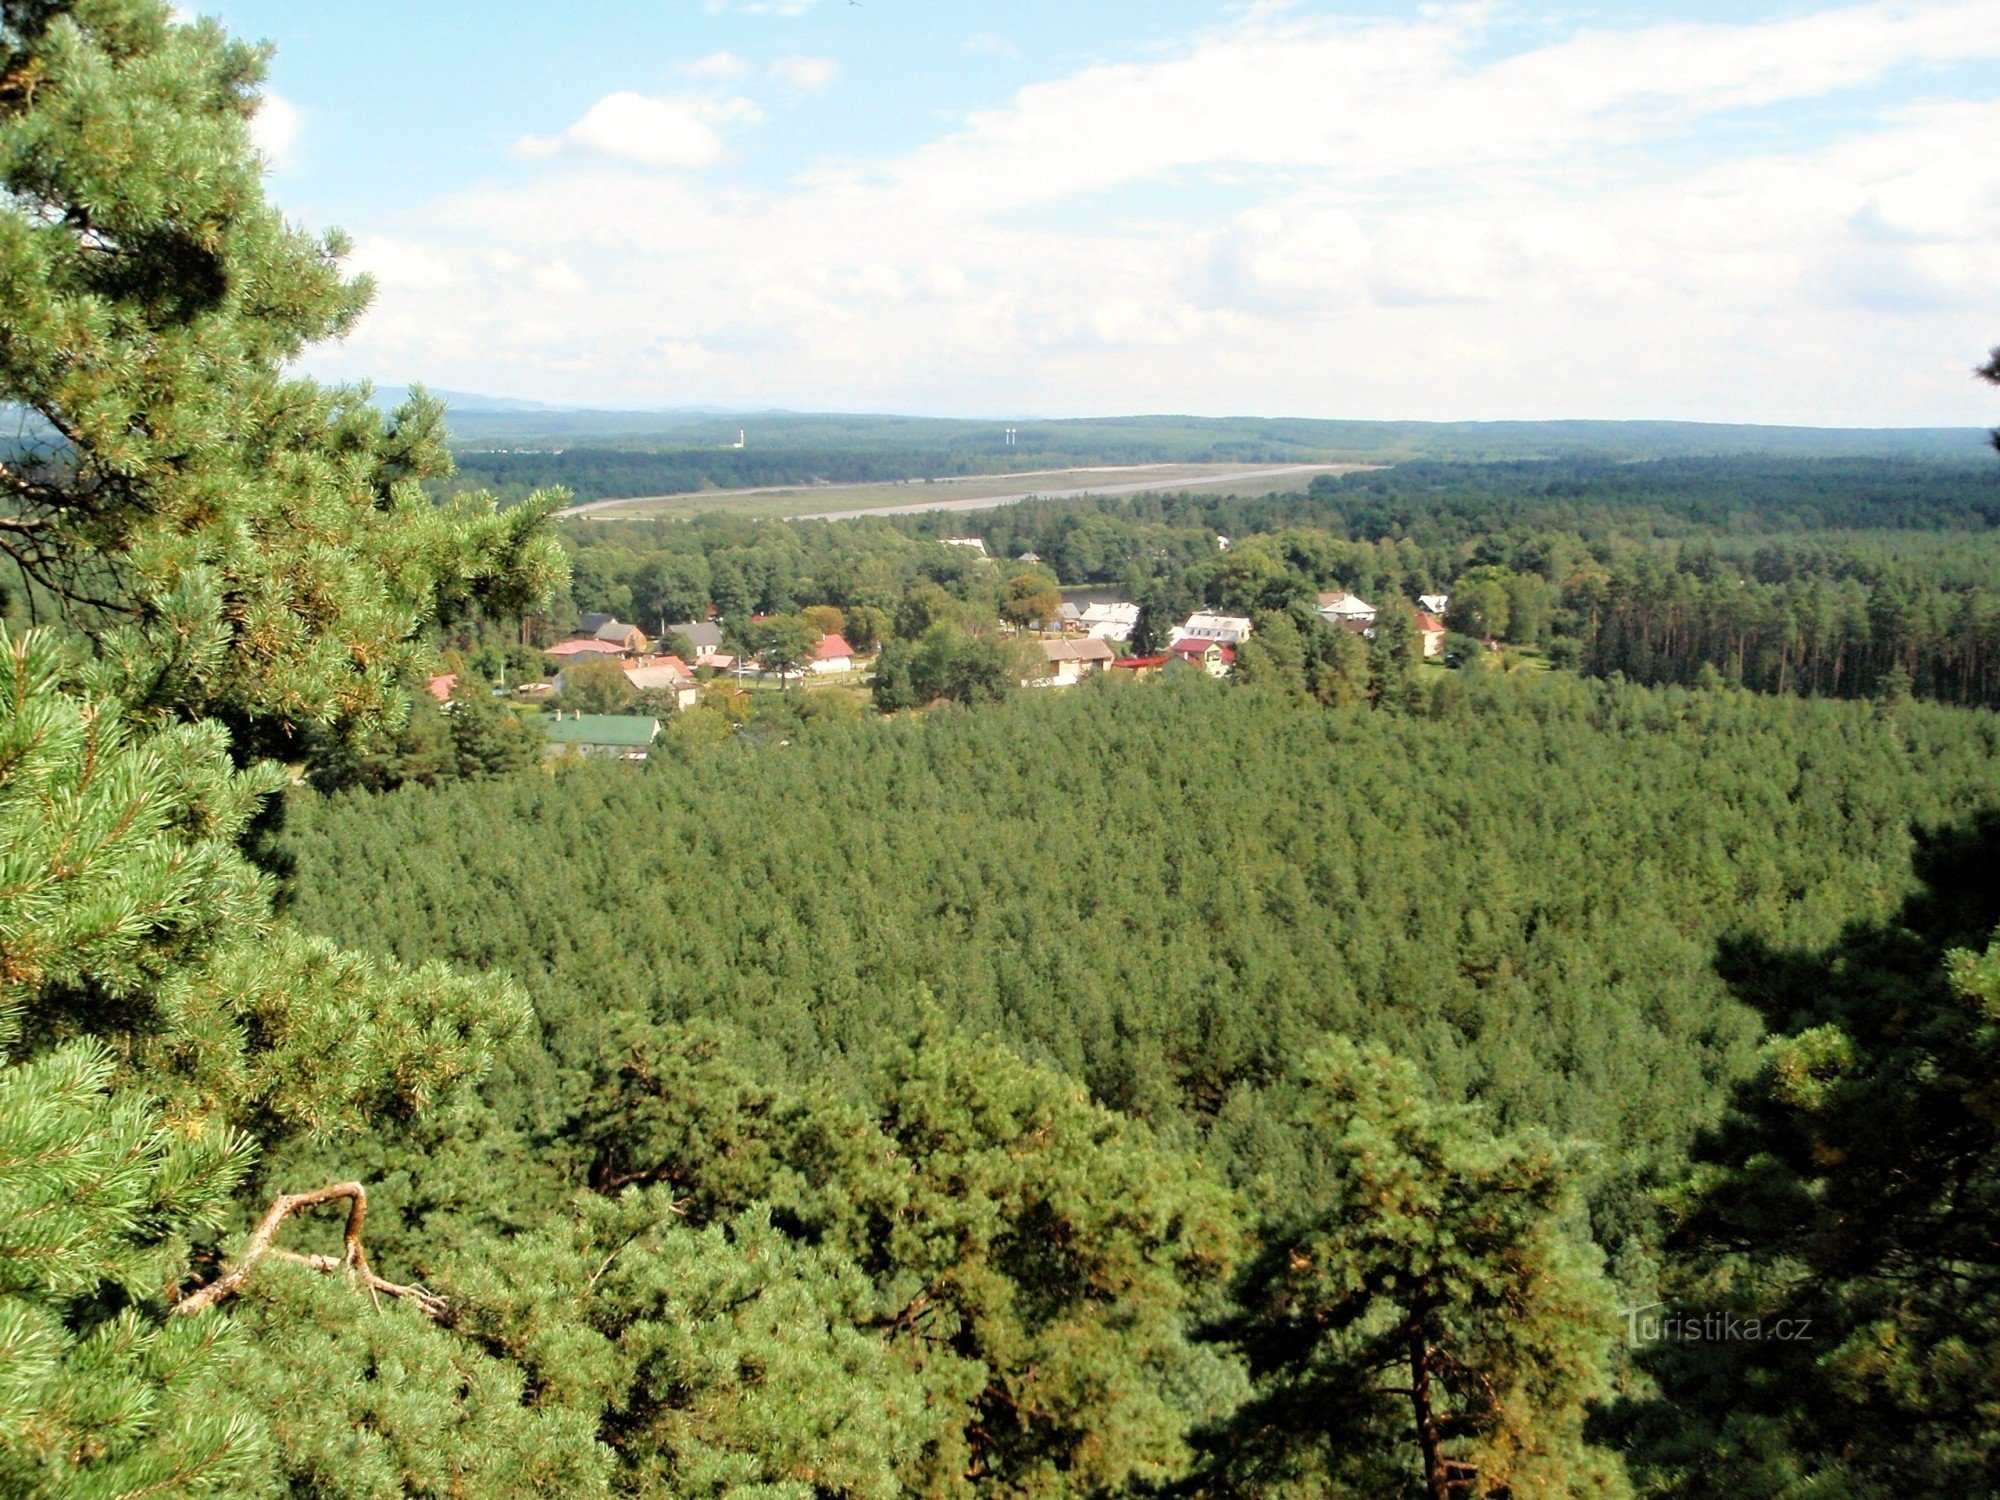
<point>614,736</point>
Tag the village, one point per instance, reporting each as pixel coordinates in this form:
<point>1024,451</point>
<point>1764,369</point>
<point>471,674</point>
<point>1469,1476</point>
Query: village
<point>1076,642</point>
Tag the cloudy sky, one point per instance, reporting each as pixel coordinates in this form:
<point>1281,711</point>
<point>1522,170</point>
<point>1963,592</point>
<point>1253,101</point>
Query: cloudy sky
<point>1749,211</point>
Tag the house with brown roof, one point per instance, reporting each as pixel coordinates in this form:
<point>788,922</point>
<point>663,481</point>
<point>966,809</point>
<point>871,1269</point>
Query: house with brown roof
<point>1070,659</point>
<point>1431,628</point>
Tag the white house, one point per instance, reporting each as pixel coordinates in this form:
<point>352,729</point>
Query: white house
<point>965,541</point>
<point>1431,628</point>
<point>1225,630</point>
<point>1434,604</point>
<point>1110,622</point>
<point>833,654</point>
<point>1349,611</point>
<point>1070,661</point>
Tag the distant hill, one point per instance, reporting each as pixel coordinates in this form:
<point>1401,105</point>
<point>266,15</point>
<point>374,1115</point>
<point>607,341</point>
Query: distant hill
<point>480,422</point>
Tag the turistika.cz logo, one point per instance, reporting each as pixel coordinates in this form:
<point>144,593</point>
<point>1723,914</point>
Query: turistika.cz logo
<point>1660,1323</point>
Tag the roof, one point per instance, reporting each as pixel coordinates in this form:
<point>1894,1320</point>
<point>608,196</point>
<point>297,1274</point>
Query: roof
<point>590,647</point>
<point>1202,620</point>
<point>441,686</point>
<point>1429,623</point>
<point>658,672</point>
<point>619,631</point>
<point>1138,663</point>
<point>703,635</point>
<point>601,729</point>
<point>1341,603</point>
<point>1112,612</point>
<point>1191,646</point>
<point>831,647</point>
<point>593,622</point>
<point>1089,648</point>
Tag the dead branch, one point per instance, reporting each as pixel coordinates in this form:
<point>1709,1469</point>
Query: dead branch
<point>353,1258</point>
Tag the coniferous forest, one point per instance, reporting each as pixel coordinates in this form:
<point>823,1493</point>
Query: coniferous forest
<point>1568,1071</point>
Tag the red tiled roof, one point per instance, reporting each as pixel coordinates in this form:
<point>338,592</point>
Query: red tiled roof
<point>831,646</point>
<point>1135,663</point>
<point>585,648</point>
<point>441,685</point>
<point>1428,623</point>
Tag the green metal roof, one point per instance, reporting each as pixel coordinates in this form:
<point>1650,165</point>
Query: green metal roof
<point>601,729</point>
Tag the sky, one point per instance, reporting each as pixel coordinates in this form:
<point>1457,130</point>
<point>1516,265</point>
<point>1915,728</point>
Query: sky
<point>1755,212</point>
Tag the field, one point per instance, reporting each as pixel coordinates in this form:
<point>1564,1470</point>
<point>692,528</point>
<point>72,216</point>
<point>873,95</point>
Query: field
<point>971,492</point>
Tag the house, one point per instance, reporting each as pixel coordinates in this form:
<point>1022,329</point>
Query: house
<point>1029,557</point>
<point>1348,611</point>
<point>1434,604</point>
<point>716,661</point>
<point>664,674</point>
<point>1069,619</point>
<point>534,692</point>
<point>564,650</point>
<point>704,635</point>
<point>1211,656</point>
<point>1070,661</point>
<point>972,542</point>
<point>590,624</point>
<point>833,654</point>
<point>1224,630</point>
<point>1110,621</point>
<point>1140,666</point>
<point>619,634</point>
<point>606,736</point>
<point>1431,628</point>
<point>442,686</point>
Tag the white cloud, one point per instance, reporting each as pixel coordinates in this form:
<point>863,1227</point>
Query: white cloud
<point>805,72</point>
<point>674,132</point>
<point>400,266</point>
<point>1340,218</point>
<point>724,65</point>
<point>759,7</point>
<point>274,127</point>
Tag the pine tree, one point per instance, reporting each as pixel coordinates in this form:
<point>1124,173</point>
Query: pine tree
<point>1420,1316</point>
<point>1846,1212</point>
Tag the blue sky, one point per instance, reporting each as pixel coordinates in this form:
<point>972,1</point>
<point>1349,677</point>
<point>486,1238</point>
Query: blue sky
<point>1785,212</point>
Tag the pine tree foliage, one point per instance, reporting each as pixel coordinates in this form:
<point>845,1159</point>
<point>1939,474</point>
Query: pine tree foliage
<point>1845,1215</point>
<point>1420,1316</point>
<point>97,1197</point>
<point>236,544</point>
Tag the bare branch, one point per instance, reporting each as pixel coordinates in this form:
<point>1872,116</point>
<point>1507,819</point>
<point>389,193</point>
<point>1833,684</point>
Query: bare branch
<point>353,1258</point>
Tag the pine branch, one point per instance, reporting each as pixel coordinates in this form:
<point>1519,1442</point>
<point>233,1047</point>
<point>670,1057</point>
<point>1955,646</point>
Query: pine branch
<point>353,1258</point>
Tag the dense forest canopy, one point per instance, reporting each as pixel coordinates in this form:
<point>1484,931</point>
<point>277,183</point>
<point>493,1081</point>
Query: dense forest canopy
<point>1273,1087</point>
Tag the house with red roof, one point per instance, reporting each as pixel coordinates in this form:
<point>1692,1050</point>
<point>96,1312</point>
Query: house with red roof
<point>833,654</point>
<point>1431,628</point>
<point>1211,656</point>
<point>442,686</point>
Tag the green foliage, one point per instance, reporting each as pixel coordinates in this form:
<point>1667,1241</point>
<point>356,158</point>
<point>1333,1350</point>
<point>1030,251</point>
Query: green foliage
<point>96,1197</point>
<point>231,543</point>
<point>1030,1260</point>
<point>1846,1211</point>
<point>1418,1316</point>
<point>595,685</point>
<point>949,664</point>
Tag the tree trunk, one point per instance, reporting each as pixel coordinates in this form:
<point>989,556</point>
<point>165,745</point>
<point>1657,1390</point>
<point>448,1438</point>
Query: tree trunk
<point>1437,1483</point>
